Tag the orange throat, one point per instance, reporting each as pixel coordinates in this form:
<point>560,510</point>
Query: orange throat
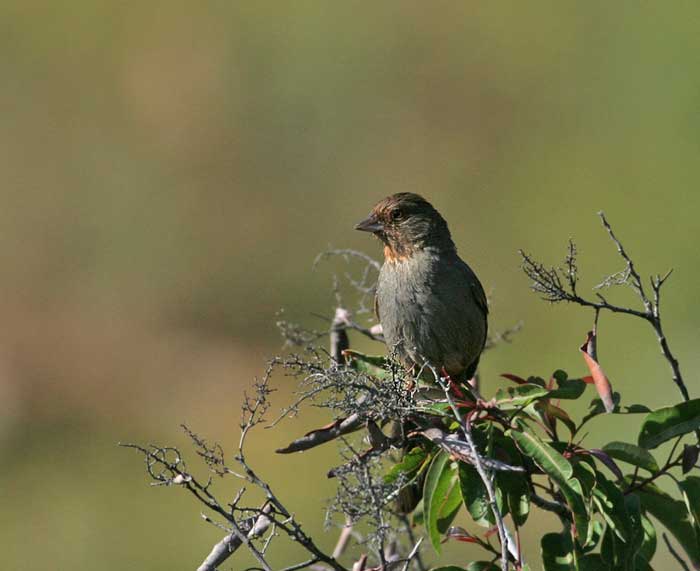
<point>392,256</point>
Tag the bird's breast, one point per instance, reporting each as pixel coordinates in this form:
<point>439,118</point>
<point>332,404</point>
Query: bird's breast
<point>427,311</point>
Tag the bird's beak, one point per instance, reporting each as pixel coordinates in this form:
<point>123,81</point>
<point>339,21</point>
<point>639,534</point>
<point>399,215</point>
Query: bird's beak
<point>369,224</point>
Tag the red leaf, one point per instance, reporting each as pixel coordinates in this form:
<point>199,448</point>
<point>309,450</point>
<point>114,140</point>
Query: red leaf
<point>461,534</point>
<point>601,382</point>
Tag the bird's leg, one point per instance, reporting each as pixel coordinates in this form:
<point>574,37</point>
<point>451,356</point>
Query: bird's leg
<point>456,390</point>
<point>480,403</point>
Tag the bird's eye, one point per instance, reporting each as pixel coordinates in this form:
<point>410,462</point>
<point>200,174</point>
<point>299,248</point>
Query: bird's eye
<point>396,214</point>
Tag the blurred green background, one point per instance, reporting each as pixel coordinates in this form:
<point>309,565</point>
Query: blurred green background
<point>170,170</point>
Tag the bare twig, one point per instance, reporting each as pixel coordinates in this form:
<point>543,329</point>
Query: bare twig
<point>343,538</point>
<point>229,544</point>
<point>413,554</point>
<point>675,554</point>
<point>557,284</point>
<point>326,434</point>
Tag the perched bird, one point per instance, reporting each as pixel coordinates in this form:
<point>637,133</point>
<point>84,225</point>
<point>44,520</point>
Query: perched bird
<point>429,302</point>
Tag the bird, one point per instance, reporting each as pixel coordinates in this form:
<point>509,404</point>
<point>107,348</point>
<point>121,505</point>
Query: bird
<point>430,303</point>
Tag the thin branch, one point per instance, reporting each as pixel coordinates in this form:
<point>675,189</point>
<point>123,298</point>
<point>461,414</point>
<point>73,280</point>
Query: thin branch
<point>229,544</point>
<point>636,279</point>
<point>557,284</point>
<point>465,426</point>
<point>674,553</point>
<point>315,438</point>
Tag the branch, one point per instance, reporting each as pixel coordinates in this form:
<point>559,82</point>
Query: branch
<point>477,460</point>
<point>322,435</point>
<point>557,284</point>
<point>674,553</point>
<point>229,544</point>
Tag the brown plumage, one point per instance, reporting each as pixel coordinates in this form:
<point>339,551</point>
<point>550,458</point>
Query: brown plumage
<point>430,303</point>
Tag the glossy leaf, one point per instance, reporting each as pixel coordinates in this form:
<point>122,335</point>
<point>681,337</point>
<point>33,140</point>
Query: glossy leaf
<point>546,457</point>
<point>631,454</point>
<point>408,467</point>
<point>474,495</point>
<point>561,472</point>
<point>557,552</point>
<point>648,547</point>
<point>560,414</point>
<point>690,457</point>
<point>573,493</point>
<point>636,529</point>
<point>373,365</point>
<point>517,495</point>
<point>441,497</point>
<point>691,494</point>
<point>597,530</point>
<point>669,422</point>
<point>611,504</point>
<point>673,515</point>
<point>509,398</point>
<point>566,388</point>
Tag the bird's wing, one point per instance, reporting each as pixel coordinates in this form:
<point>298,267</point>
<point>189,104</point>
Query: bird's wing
<point>476,289</point>
<point>480,295</point>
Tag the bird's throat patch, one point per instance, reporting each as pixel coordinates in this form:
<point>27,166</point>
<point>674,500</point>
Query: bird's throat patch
<point>394,256</point>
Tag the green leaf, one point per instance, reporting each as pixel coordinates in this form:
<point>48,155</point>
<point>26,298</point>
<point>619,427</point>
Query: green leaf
<point>408,467</point>
<point>441,497</point>
<point>669,422</point>
<point>557,552</point>
<point>673,515</point>
<point>597,529</point>
<point>567,388</point>
<point>611,504</point>
<point>546,457</point>
<point>561,472</point>
<point>435,408</point>
<point>636,536</point>
<point>373,365</point>
<point>623,554</point>
<point>448,568</point>
<point>560,414</point>
<point>511,397</point>
<point>574,497</point>
<point>474,495</point>
<point>517,495</point>
<point>632,455</point>
<point>648,547</point>
<point>691,494</point>
<point>611,549</point>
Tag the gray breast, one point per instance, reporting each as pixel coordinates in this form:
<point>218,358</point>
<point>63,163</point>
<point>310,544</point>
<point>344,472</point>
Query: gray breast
<point>428,310</point>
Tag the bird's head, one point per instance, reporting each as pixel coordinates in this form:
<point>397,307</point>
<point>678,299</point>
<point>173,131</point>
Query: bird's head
<point>406,222</point>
